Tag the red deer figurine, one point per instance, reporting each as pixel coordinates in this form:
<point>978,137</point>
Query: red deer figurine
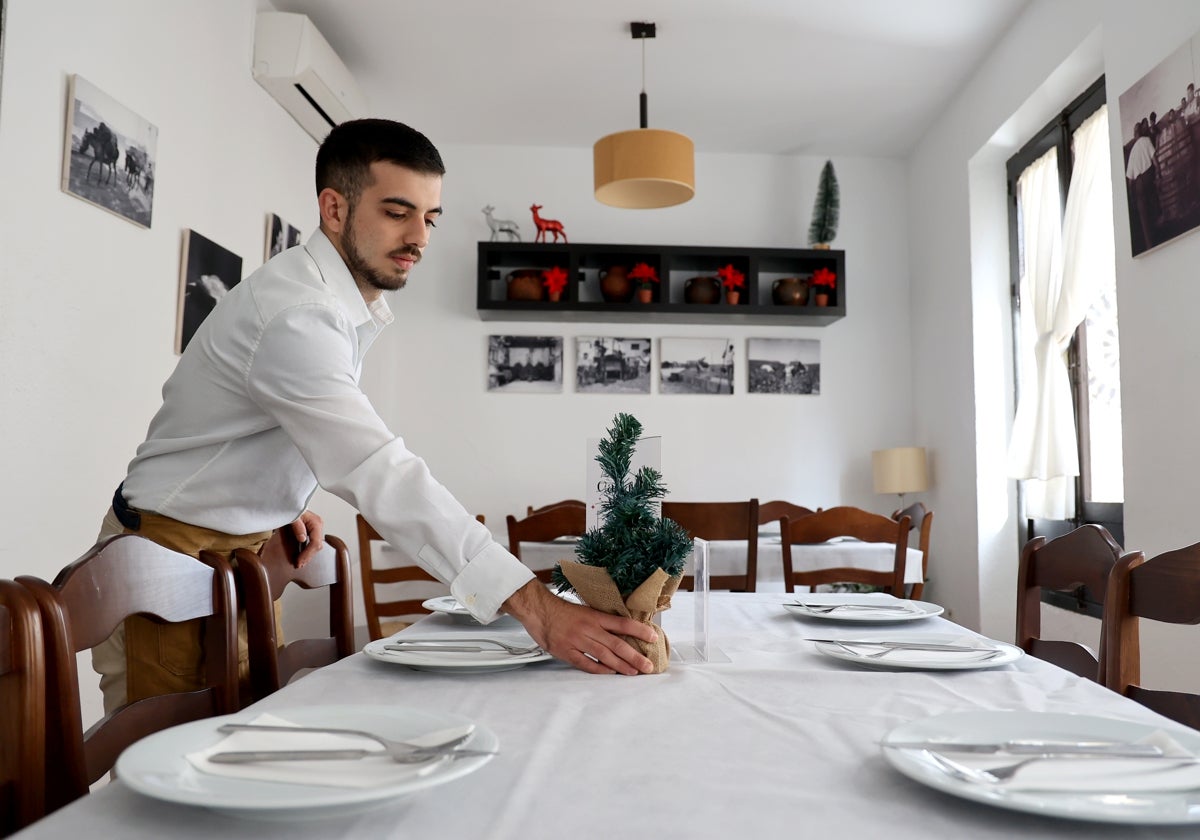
<point>543,225</point>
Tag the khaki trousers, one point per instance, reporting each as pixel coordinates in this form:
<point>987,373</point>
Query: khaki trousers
<point>145,658</point>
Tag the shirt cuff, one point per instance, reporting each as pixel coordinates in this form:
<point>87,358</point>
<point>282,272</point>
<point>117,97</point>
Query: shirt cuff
<point>487,582</point>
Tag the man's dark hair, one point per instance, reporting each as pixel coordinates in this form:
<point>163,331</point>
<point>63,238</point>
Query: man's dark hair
<point>345,157</point>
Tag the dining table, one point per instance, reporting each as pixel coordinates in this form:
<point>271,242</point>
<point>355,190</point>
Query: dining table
<point>782,735</point>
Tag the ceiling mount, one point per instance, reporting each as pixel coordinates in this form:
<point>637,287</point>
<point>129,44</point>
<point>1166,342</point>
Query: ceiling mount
<point>646,167</point>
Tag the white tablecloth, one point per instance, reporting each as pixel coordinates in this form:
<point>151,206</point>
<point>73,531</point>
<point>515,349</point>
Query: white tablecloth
<point>779,741</point>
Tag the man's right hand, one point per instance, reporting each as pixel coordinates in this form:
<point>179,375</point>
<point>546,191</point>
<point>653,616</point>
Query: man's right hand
<point>581,636</point>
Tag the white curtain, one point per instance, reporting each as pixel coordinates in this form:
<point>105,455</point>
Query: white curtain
<point>1063,264</point>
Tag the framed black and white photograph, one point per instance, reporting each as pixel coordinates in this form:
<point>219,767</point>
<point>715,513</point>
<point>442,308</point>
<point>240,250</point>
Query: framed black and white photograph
<point>109,154</point>
<point>280,236</point>
<point>783,366</point>
<point>525,363</point>
<point>207,272</point>
<point>1160,133</point>
<point>612,365</point>
<point>696,366</point>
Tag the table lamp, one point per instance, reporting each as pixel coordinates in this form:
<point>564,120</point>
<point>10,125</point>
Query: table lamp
<point>900,470</point>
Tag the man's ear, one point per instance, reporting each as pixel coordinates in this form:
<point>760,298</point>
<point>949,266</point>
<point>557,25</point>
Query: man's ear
<point>334,209</point>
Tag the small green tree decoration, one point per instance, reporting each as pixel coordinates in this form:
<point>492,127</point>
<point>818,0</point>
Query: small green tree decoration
<point>632,563</point>
<point>825,209</point>
<point>633,541</point>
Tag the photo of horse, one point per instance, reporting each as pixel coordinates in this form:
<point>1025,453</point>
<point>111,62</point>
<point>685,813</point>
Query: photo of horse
<point>109,154</point>
<point>280,236</point>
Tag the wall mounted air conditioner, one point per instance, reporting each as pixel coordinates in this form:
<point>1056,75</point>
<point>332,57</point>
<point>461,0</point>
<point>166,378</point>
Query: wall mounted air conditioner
<point>298,67</point>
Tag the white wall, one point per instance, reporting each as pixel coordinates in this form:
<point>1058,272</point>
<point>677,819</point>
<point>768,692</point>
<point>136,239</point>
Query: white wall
<point>1051,54</point>
<point>88,300</point>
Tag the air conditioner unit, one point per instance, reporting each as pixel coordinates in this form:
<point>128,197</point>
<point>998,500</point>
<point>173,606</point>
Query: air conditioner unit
<point>298,67</point>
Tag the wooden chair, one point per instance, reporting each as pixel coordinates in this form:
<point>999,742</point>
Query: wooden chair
<point>22,710</point>
<point>721,521</point>
<point>373,576</point>
<point>1077,563</point>
<point>922,519</point>
<point>120,577</point>
<point>530,509</point>
<point>775,510</point>
<point>845,521</point>
<point>263,578</point>
<point>1164,588</point>
<point>552,522</point>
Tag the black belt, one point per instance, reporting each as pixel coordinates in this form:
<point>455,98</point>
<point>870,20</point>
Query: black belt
<point>126,515</point>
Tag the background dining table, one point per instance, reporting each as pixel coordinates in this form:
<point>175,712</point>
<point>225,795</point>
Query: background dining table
<point>781,738</point>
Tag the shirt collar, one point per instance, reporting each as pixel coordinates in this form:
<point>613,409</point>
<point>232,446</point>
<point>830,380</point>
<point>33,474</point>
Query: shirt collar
<point>341,282</point>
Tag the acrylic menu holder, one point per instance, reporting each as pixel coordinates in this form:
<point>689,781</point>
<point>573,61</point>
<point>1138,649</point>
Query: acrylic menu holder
<point>701,650</point>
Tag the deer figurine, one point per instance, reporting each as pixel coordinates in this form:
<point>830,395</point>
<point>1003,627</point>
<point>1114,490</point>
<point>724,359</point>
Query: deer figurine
<point>500,226</point>
<point>546,225</point>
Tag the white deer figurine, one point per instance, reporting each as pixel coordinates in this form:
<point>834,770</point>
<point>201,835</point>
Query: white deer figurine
<point>500,226</point>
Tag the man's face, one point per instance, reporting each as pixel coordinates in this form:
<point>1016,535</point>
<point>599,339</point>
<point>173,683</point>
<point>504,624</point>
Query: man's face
<point>387,229</point>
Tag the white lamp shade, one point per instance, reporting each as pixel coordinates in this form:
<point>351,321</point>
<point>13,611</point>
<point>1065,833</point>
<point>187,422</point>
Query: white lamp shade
<point>900,470</point>
<point>644,168</point>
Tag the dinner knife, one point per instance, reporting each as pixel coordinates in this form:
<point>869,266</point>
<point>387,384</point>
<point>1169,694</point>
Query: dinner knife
<point>907,645</point>
<point>416,757</point>
<point>1034,747</point>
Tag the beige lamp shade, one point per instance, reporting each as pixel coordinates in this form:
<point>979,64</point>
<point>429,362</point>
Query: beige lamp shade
<point>644,168</point>
<point>901,470</point>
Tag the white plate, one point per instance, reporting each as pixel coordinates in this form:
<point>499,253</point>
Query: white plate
<point>905,610</point>
<point>481,662</point>
<point>926,660</point>
<point>156,765</point>
<point>1134,807</point>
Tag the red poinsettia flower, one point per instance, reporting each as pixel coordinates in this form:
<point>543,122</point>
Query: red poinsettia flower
<point>824,277</point>
<point>731,278</point>
<point>645,274</point>
<point>554,279</point>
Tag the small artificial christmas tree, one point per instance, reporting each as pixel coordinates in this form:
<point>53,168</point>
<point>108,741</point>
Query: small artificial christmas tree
<point>631,564</point>
<point>825,209</point>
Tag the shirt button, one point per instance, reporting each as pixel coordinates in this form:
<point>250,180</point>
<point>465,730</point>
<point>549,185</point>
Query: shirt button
<point>471,600</point>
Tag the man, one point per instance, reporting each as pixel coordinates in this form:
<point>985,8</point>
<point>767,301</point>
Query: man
<point>265,404</point>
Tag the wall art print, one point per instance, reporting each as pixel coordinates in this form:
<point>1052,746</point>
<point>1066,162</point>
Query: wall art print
<point>525,363</point>
<point>207,272</point>
<point>612,365</point>
<point>109,154</point>
<point>696,366</point>
<point>1160,136</point>
<point>783,366</point>
<point>280,236</point>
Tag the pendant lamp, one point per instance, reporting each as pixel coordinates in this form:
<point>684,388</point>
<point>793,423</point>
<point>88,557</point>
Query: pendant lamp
<point>645,167</point>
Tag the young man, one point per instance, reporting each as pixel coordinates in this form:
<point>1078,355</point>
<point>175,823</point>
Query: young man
<point>265,404</point>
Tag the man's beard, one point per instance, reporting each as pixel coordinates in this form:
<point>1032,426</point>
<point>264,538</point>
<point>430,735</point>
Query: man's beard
<point>364,272</point>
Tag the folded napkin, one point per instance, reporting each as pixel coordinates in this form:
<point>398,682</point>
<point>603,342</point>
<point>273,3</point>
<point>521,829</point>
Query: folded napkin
<point>1100,775</point>
<point>366,772</point>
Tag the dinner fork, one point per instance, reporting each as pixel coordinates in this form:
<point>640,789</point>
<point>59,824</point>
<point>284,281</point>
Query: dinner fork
<point>828,608</point>
<point>1001,774</point>
<point>461,644</point>
<point>403,752</point>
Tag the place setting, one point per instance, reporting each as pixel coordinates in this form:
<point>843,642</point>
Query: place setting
<point>306,762</point>
<point>922,652</point>
<point>476,653</point>
<point>1074,766</point>
<point>863,608</point>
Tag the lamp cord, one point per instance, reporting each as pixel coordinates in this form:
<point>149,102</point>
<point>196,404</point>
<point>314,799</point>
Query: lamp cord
<point>642,100</point>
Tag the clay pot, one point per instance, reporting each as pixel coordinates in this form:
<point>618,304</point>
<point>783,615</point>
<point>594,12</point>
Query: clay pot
<point>645,295</point>
<point>615,285</point>
<point>702,290</point>
<point>790,291</point>
<point>732,296</point>
<point>822,298</point>
<point>526,284</point>
<point>555,297</point>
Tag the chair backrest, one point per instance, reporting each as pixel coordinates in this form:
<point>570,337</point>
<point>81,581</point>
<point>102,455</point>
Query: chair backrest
<point>372,576</point>
<point>1079,563</point>
<point>721,521</point>
<point>1164,588</point>
<point>263,578</point>
<point>120,577</point>
<point>921,519</point>
<point>552,522</point>
<point>22,710</point>
<point>530,509</point>
<point>846,521</point>
<point>775,510</point>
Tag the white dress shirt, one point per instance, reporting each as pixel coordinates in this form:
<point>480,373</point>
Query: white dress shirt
<point>265,404</point>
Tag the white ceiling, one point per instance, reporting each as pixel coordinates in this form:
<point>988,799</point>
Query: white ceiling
<point>855,77</point>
